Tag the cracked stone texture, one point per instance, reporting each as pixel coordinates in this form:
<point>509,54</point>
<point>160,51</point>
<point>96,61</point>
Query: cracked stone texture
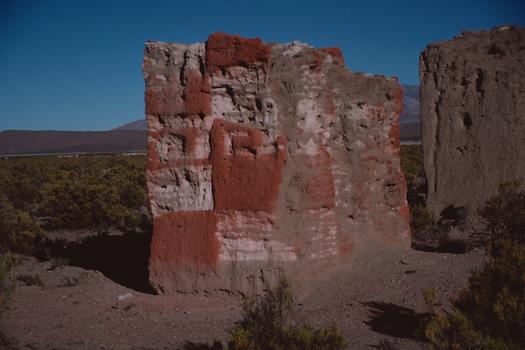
<point>473,120</point>
<point>264,159</point>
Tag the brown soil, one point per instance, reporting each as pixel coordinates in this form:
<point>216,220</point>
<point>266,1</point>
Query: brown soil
<point>75,308</point>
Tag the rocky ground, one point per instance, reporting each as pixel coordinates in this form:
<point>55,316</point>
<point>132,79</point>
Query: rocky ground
<point>57,306</point>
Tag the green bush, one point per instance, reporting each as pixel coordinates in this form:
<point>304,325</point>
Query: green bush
<point>420,216</point>
<point>505,214</point>
<point>412,167</point>
<point>267,324</point>
<point>19,231</point>
<point>490,313</point>
<point>412,162</point>
<point>7,261</point>
<point>105,192</point>
<point>93,192</point>
<point>22,179</point>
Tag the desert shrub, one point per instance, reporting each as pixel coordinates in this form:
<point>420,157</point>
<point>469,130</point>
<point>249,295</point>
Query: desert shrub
<point>412,167</point>
<point>490,313</point>
<point>21,180</point>
<point>94,192</point>
<point>420,216</point>
<point>7,261</point>
<point>101,193</point>
<point>267,324</point>
<point>30,280</point>
<point>505,214</point>
<point>19,231</point>
<point>412,162</point>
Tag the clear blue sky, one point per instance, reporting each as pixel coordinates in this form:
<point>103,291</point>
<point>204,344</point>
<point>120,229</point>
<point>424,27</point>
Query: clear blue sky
<point>76,65</point>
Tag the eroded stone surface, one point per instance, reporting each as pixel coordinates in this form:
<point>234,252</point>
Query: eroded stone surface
<point>267,158</point>
<point>473,120</point>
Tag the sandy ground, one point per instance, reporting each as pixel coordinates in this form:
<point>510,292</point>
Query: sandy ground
<point>377,298</point>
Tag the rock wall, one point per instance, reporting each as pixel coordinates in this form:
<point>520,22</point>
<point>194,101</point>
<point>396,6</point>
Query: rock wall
<point>267,158</point>
<point>473,120</point>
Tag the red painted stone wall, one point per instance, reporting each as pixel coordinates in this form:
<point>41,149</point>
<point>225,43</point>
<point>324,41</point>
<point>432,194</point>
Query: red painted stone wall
<point>267,158</point>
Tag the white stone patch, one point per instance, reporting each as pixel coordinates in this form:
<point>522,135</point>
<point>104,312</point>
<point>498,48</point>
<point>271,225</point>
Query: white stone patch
<point>193,56</point>
<point>358,146</point>
<point>245,249</point>
<point>342,185</point>
<point>358,113</point>
<point>174,145</point>
<point>310,148</point>
<point>169,148</point>
<point>321,237</point>
<point>209,120</point>
<point>270,113</point>
<point>294,48</point>
<point>153,123</point>
<point>202,147</point>
<point>222,103</point>
<point>325,241</point>
<point>308,111</point>
<point>183,188</point>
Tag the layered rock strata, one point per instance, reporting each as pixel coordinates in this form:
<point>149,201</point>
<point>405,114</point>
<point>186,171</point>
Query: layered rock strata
<point>267,158</point>
<point>473,120</point>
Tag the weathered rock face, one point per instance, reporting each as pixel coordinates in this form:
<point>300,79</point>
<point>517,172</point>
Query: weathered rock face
<point>264,158</point>
<point>473,120</point>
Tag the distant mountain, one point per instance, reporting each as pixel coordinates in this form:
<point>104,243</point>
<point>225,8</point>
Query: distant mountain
<point>410,105</point>
<point>20,142</point>
<point>410,120</point>
<point>137,125</point>
<point>132,136</point>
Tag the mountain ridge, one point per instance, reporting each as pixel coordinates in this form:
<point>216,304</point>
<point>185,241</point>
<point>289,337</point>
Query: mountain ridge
<point>132,136</point>
<point>27,142</point>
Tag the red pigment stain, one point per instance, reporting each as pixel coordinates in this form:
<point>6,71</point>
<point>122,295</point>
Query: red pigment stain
<point>186,238</point>
<point>329,106</point>
<point>336,53</point>
<point>394,136</point>
<point>224,50</point>
<point>398,98</point>
<point>153,155</point>
<point>320,187</point>
<point>345,246</point>
<point>165,101</point>
<point>243,178</point>
<point>404,212</point>
<point>197,94</point>
<point>319,183</point>
<point>320,55</point>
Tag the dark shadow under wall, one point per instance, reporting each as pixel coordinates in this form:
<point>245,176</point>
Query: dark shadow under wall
<point>121,258</point>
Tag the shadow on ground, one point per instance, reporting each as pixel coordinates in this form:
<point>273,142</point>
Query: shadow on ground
<point>121,258</point>
<point>394,320</point>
